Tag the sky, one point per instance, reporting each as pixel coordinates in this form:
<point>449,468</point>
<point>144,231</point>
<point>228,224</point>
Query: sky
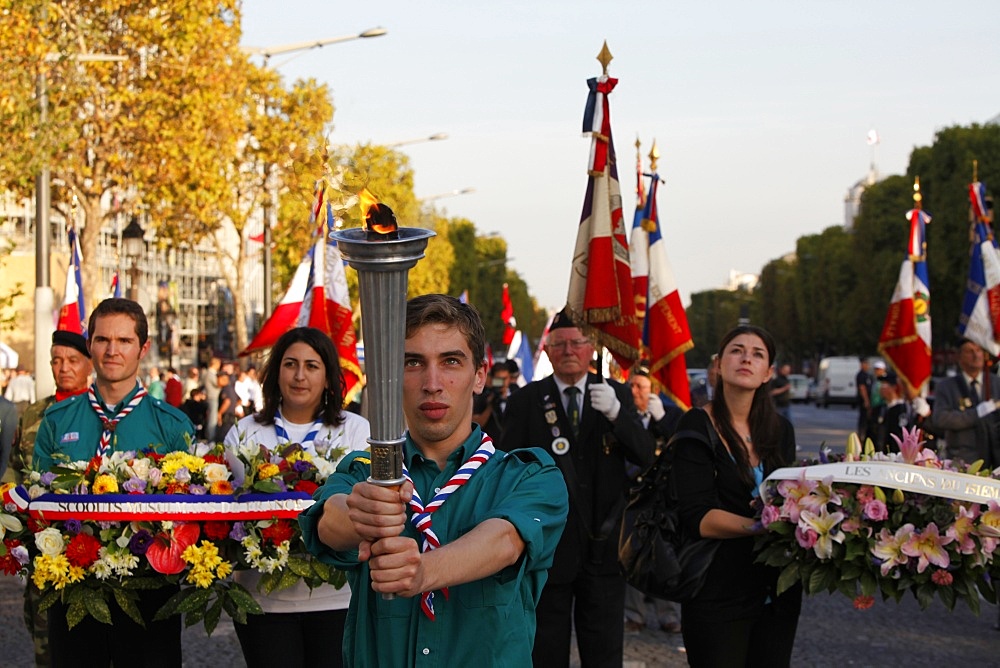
<point>760,110</point>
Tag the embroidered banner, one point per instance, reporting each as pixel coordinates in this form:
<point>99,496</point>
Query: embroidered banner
<point>907,477</point>
<point>161,507</point>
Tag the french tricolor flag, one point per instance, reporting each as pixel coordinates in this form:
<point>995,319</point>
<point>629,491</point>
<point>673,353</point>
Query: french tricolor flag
<point>318,297</point>
<point>980,319</point>
<point>906,334</point>
<point>665,333</point>
<point>72,312</point>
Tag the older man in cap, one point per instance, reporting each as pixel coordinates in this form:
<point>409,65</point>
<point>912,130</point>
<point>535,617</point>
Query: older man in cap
<point>591,428</point>
<point>71,369</point>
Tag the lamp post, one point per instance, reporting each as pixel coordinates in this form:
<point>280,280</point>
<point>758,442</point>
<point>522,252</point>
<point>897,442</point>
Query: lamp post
<point>270,207</point>
<point>437,136</point>
<point>450,193</point>
<point>135,247</point>
<point>44,299</point>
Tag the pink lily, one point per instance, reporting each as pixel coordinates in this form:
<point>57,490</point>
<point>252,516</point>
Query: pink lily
<point>889,547</point>
<point>822,494</point>
<point>910,445</point>
<point>962,529</point>
<point>793,491</point>
<point>824,524</point>
<point>989,522</point>
<point>928,547</point>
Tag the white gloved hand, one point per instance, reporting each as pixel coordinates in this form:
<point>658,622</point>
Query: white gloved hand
<point>603,399</point>
<point>921,407</point>
<point>985,408</point>
<point>655,408</point>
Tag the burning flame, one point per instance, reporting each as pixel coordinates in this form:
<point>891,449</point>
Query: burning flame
<point>379,218</point>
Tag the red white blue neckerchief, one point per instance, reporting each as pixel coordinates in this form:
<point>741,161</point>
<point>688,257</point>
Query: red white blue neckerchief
<point>421,517</point>
<point>109,423</point>
<point>282,434</point>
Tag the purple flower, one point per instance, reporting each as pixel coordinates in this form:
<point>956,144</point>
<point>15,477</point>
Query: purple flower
<point>155,475</point>
<point>182,475</point>
<point>280,483</point>
<point>47,478</point>
<point>108,525</point>
<point>238,532</point>
<point>134,486</point>
<point>196,489</point>
<point>301,466</point>
<point>21,554</point>
<point>73,526</point>
<point>140,542</point>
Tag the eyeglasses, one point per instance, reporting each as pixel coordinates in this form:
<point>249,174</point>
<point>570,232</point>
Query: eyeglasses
<point>572,344</point>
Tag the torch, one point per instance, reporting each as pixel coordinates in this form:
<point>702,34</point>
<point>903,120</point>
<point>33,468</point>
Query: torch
<point>383,254</point>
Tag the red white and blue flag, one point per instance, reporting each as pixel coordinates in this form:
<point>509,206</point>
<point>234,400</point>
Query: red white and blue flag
<point>638,247</point>
<point>665,332</point>
<point>980,319</point>
<point>72,312</point>
<point>600,298</point>
<point>318,297</point>
<point>906,335</point>
<point>507,315</point>
<point>116,287</point>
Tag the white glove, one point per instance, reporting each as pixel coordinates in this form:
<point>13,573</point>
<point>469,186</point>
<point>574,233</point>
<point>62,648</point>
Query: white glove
<point>985,408</point>
<point>655,407</point>
<point>921,407</point>
<point>603,399</point>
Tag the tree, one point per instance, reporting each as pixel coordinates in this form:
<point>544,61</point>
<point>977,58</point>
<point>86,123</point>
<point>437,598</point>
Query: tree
<point>111,125</point>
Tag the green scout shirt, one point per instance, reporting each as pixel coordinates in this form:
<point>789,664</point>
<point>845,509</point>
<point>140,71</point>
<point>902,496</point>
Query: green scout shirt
<point>72,428</point>
<point>489,622</point>
<point>24,444</point>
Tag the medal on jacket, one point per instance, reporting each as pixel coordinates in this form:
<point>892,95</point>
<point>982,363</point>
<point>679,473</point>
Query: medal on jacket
<point>560,446</point>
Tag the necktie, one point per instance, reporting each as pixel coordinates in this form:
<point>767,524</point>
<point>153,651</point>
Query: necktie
<point>974,391</point>
<point>573,409</point>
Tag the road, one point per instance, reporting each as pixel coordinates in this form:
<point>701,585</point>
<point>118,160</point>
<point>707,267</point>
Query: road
<point>817,426</point>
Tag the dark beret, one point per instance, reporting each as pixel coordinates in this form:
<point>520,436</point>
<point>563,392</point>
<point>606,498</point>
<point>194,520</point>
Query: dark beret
<point>61,337</point>
<point>561,320</point>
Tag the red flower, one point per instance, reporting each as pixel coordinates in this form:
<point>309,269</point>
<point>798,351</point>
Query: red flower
<point>83,550</point>
<point>94,465</point>
<point>216,530</point>
<point>864,602</point>
<point>177,488</point>
<point>307,486</point>
<point>34,526</point>
<point>278,532</point>
<point>164,555</point>
<point>8,564</point>
<point>214,459</point>
<point>942,578</point>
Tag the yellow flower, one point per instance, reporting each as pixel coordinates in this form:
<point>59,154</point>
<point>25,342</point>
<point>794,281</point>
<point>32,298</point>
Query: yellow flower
<point>224,569</point>
<point>267,470</point>
<point>105,484</point>
<point>221,487</point>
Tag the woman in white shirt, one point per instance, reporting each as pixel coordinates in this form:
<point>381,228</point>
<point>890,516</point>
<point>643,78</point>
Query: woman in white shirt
<point>303,398</point>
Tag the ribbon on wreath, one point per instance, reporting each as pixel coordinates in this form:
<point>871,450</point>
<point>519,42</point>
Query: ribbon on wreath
<point>905,477</point>
<point>174,507</point>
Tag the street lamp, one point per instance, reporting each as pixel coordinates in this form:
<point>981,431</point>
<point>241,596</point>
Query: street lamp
<point>450,193</point>
<point>135,247</point>
<point>437,136</point>
<point>267,52</point>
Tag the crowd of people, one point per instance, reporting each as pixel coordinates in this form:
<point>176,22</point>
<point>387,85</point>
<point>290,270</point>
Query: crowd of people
<point>501,544</point>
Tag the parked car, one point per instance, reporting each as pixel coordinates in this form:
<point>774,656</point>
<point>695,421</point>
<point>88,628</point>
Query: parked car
<point>835,381</point>
<point>697,378</point>
<point>800,388</point>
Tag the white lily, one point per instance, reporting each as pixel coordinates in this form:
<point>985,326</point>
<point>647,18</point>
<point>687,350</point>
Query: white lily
<point>825,524</point>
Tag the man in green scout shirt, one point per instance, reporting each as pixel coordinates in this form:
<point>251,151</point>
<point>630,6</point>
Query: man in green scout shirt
<point>115,414</point>
<point>71,369</point>
<point>73,430</point>
<point>466,581</point>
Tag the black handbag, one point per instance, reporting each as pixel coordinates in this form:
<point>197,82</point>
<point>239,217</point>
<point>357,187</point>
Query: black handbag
<point>657,555</point>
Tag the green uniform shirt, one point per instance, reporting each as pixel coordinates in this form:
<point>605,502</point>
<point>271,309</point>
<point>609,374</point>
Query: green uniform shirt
<point>72,428</point>
<point>489,622</point>
<point>24,444</point>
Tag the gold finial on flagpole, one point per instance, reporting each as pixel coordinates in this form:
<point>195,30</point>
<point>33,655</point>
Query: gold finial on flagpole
<point>605,57</point>
<point>917,197</point>
<point>654,155</point>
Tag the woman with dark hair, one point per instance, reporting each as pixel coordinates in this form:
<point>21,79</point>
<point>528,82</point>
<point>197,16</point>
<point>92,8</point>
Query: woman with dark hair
<point>721,453</point>
<point>303,403</point>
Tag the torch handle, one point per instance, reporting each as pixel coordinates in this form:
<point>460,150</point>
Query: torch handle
<point>394,485</point>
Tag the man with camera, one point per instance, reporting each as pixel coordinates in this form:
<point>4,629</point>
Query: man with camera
<point>488,406</point>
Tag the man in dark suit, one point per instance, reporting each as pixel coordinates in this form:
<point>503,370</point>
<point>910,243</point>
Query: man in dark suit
<point>591,428</point>
<point>964,409</point>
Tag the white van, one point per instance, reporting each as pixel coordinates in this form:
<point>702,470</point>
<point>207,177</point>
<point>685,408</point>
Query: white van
<point>835,381</point>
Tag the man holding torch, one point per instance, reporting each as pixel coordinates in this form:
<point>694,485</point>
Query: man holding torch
<point>447,567</point>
